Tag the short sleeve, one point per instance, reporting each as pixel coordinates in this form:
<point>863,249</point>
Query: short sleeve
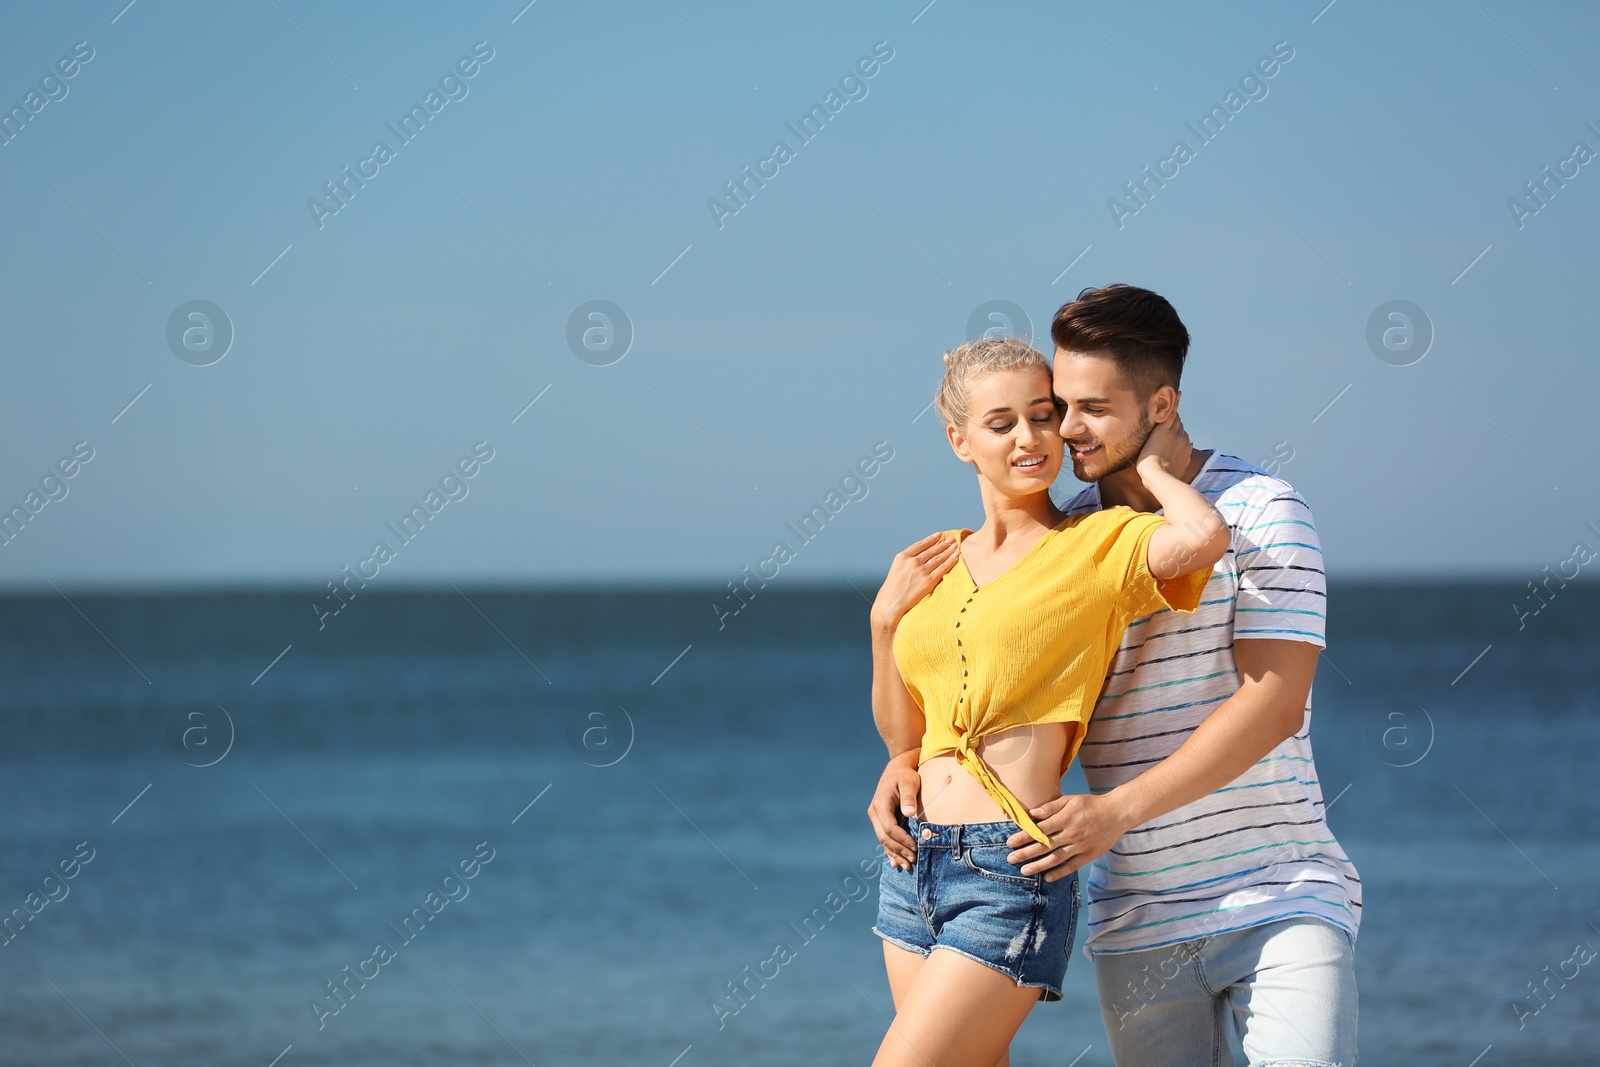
<point>1283,592</point>
<point>1125,566</point>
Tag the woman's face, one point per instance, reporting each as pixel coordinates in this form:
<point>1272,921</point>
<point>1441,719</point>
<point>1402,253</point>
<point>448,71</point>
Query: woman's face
<point>1013,431</point>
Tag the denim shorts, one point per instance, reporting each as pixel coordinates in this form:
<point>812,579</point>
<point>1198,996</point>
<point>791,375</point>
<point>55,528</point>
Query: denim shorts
<point>962,895</point>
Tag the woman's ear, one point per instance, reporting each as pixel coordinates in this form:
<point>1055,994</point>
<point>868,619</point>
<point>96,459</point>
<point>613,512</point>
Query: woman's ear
<point>958,444</point>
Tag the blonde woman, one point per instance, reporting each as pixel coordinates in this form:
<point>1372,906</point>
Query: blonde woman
<point>992,675</point>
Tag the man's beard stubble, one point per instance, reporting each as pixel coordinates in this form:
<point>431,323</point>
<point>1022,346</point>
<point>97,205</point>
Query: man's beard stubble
<point>1124,458</point>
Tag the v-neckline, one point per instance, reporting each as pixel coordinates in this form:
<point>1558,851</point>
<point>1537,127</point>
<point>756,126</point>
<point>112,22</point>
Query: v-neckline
<point>1020,560</point>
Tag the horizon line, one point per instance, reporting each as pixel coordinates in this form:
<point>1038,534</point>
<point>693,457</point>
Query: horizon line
<point>445,585</point>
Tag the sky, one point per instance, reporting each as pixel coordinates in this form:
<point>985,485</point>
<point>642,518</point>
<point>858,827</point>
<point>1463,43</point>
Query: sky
<point>351,353</point>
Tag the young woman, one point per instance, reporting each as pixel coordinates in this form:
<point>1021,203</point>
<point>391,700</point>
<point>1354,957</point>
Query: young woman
<point>992,675</point>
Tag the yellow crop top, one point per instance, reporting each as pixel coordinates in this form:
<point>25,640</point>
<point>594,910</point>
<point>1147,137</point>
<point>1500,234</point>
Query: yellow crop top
<point>1034,644</point>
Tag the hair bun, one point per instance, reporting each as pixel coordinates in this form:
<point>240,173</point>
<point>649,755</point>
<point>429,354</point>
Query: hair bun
<point>968,362</point>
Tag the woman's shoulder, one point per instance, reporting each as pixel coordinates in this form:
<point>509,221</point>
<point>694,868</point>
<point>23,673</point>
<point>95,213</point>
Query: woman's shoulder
<point>1103,526</point>
<point>1109,513</point>
<point>956,533</point>
<point>1113,517</point>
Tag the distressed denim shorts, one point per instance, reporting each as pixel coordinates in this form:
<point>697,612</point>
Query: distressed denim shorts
<point>962,895</point>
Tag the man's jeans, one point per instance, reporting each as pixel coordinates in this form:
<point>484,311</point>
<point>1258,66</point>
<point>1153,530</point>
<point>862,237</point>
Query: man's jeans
<point>1290,986</point>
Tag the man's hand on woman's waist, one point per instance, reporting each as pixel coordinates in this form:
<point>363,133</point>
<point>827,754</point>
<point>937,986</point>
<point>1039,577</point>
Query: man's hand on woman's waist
<point>1082,827</point>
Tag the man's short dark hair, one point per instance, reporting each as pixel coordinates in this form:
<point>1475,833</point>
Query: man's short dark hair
<point>1135,327</point>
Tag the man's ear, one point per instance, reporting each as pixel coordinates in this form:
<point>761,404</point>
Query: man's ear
<point>1162,404</point>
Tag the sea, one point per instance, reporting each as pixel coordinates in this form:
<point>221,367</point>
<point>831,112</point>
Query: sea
<point>574,826</point>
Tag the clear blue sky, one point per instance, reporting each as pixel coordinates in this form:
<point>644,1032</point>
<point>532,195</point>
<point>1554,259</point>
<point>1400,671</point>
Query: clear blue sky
<point>428,311</point>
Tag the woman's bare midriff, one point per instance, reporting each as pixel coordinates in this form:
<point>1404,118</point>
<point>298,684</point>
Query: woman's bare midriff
<point>1026,759</point>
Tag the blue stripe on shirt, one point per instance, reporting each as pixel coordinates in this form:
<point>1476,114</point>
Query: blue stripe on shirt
<point>1285,611</point>
<point>1282,544</point>
<point>1254,630</point>
<point>1224,856</point>
<point>1163,685</point>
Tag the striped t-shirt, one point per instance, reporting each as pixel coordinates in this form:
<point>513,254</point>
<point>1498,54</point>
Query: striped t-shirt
<point>1258,849</point>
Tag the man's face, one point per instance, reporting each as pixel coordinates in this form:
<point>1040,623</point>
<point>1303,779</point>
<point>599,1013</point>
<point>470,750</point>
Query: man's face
<point>1103,421</point>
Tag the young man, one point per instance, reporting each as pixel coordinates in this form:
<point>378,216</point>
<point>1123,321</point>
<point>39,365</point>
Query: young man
<point>1214,886</point>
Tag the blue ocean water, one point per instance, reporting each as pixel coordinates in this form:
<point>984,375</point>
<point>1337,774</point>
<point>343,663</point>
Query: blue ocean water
<point>662,802</point>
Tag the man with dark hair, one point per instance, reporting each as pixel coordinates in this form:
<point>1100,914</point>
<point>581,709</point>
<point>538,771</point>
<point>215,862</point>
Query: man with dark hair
<point>1136,327</point>
<point>1214,884</point>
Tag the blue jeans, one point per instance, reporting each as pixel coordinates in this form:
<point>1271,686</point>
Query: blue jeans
<point>962,895</point>
<point>1289,985</point>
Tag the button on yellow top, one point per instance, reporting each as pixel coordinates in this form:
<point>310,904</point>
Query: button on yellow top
<point>1040,636</point>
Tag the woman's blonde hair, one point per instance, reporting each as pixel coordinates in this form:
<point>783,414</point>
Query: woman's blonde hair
<point>975,359</point>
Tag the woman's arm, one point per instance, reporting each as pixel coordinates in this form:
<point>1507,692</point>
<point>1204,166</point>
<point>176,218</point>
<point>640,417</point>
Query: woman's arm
<point>894,710</point>
<point>1194,537</point>
<point>901,723</point>
<point>912,576</point>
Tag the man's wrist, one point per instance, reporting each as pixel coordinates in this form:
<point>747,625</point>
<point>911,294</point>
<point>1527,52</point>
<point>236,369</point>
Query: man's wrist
<point>1125,806</point>
<point>1152,463</point>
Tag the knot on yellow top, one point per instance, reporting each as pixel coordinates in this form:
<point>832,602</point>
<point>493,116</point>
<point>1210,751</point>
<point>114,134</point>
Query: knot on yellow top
<point>969,760</point>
